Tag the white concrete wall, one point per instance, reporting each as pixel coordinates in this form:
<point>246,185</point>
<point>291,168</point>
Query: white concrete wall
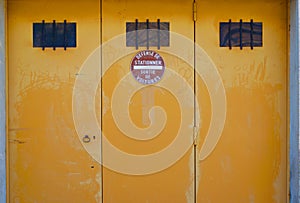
<point>294,101</point>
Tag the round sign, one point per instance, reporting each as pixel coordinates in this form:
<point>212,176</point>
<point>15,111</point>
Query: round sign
<point>147,67</point>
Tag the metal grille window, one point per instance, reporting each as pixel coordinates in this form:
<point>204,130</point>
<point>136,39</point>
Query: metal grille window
<point>147,34</point>
<point>241,34</point>
<point>54,35</point>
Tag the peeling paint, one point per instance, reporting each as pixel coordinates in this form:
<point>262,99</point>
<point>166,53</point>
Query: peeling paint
<point>190,193</point>
<point>98,196</point>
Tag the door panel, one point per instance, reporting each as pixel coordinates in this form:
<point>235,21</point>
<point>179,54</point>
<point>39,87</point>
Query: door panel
<point>173,184</point>
<point>249,162</point>
<point>47,163</point>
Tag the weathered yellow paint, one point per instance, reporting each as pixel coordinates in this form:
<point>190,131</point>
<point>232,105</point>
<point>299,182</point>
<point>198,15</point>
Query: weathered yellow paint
<point>47,162</point>
<point>249,163</point>
<point>174,184</point>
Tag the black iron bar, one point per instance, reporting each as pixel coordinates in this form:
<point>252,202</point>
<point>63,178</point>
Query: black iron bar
<point>43,35</point>
<point>147,23</point>
<point>53,35</point>
<point>229,33</point>
<point>251,33</point>
<point>65,35</point>
<point>241,34</point>
<point>136,34</point>
<point>158,33</point>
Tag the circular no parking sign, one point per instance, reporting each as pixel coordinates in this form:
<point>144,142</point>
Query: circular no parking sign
<point>147,67</point>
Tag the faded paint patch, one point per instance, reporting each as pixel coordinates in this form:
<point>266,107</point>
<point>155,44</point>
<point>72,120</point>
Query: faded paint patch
<point>254,132</point>
<point>251,198</point>
<point>226,164</point>
<point>86,182</point>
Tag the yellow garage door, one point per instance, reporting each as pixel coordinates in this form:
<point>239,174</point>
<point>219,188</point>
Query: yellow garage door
<point>138,101</point>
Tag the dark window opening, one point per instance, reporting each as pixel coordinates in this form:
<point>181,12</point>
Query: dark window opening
<point>54,35</point>
<point>147,34</point>
<point>241,34</point>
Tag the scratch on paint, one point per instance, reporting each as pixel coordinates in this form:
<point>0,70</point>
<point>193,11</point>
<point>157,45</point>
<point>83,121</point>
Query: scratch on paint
<point>15,141</point>
<point>251,74</point>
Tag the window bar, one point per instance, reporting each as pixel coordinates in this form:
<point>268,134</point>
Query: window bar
<point>43,35</point>
<point>65,35</point>
<point>158,33</point>
<point>241,34</point>
<point>251,33</point>
<point>53,35</point>
<point>136,34</point>
<point>229,32</point>
<point>147,22</point>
